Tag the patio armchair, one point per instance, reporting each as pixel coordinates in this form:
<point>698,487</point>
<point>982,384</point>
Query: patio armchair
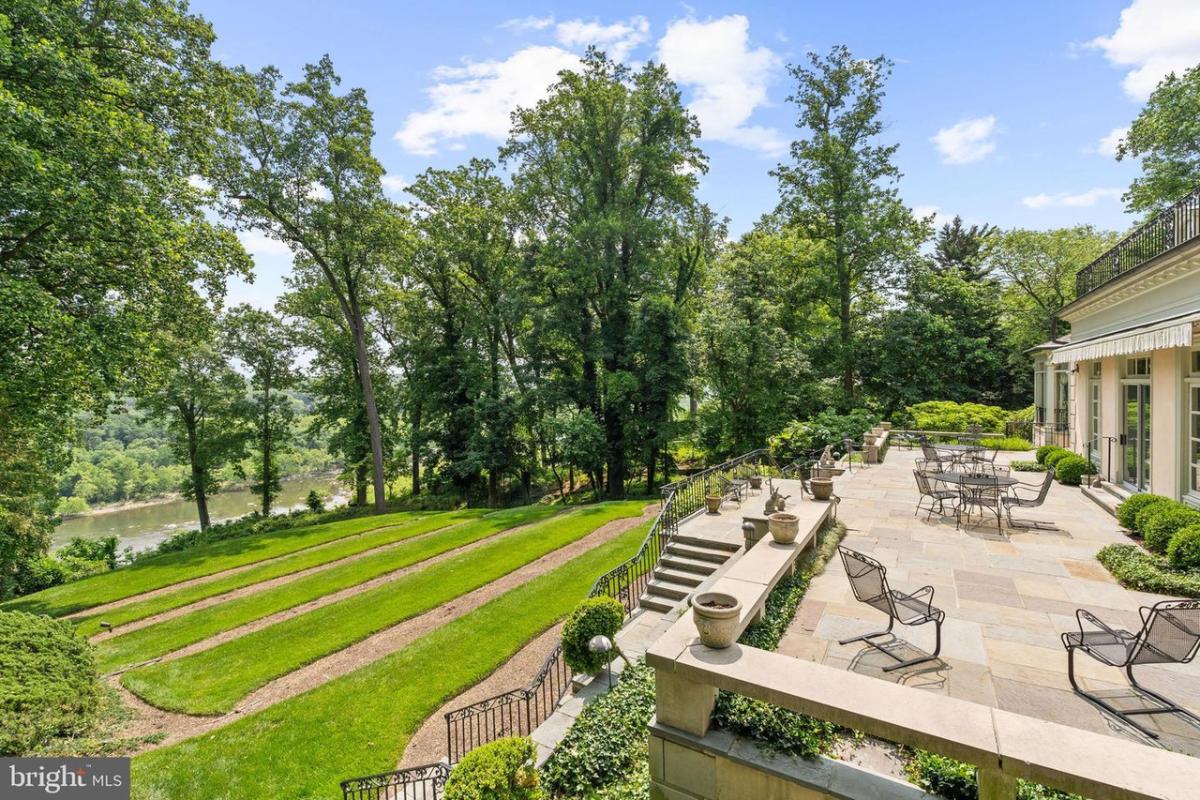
<point>851,449</point>
<point>1170,634</point>
<point>735,489</point>
<point>932,456</point>
<point>868,579</point>
<point>1014,499</point>
<point>928,486</point>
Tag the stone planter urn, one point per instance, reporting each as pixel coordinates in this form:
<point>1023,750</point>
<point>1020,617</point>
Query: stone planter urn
<point>784,527</point>
<point>716,618</point>
<point>868,439</point>
<point>713,503</point>
<point>822,488</point>
<point>887,426</point>
<point>756,481</point>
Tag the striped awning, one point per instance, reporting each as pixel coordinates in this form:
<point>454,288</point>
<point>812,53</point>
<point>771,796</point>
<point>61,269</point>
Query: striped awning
<point>1176,332</point>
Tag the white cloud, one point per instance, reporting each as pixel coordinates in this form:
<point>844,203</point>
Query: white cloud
<point>1107,146</point>
<point>530,23</point>
<point>728,79</point>
<point>258,243</point>
<point>940,218</point>
<point>394,184</point>
<point>199,182</point>
<point>967,140</point>
<point>477,98</point>
<point>1085,199</point>
<point>617,39</point>
<point>317,192</point>
<point>1154,37</point>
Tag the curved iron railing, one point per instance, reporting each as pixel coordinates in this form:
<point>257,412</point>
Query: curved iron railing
<point>1165,231</point>
<point>414,783</point>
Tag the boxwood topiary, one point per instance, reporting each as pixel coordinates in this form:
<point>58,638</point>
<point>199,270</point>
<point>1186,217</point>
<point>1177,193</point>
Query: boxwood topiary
<point>1072,468</point>
<point>48,684</point>
<point>1046,450</point>
<point>1184,549</point>
<point>596,616</point>
<point>1128,510</point>
<point>1162,521</point>
<point>500,770</point>
<point>1058,455</point>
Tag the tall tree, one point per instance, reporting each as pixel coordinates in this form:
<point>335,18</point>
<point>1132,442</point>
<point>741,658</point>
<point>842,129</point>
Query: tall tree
<point>840,190</point>
<point>201,400</point>
<point>961,249</point>
<point>299,168</point>
<point>1166,137</point>
<point>109,109</point>
<point>261,342</point>
<point>604,167</point>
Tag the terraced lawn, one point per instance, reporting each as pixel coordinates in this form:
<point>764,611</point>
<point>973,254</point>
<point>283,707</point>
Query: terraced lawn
<point>287,565</point>
<point>214,680</point>
<point>169,635</point>
<point>195,562</point>
<point>359,724</point>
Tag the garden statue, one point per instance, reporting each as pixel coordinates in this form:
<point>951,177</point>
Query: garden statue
<point>827,456</point>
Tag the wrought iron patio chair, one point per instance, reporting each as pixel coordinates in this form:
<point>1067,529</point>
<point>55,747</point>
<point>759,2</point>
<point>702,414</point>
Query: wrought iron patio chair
<point>735,489</point>
<point>937,493</point>
<point>1170,634</point>
<point>982,495</point>
<point>932,456</point>
<point>1014,499</point>
<point>868,579</point>
<point>851,449</point>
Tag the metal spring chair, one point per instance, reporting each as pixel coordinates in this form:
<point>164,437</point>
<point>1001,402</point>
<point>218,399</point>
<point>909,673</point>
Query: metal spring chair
<point>927,485</point>
<point>1170,634</point>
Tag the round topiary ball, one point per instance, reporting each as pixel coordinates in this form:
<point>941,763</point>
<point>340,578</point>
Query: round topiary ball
<point>1128,510</point>
<point>1058,455</point>
<point>1162,521</point>
<point>1071,469</point>
<point>499,770</point>
<point>596,616</point>
<point>1184,549</point>
<point>1046,450</point>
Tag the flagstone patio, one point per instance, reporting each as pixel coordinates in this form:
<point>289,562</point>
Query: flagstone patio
<point>1007,597</point>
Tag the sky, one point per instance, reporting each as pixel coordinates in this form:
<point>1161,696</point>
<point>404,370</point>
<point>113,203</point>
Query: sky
<point>1006,112</point>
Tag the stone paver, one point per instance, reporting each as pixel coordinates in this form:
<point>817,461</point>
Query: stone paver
<point>1008,597</point>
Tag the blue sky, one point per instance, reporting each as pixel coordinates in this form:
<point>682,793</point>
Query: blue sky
<point>1005,112</point>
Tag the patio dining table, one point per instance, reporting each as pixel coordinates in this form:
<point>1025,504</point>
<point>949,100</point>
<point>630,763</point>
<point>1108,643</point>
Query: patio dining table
<point>972,487</point>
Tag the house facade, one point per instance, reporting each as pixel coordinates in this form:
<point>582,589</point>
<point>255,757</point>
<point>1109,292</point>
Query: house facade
<point>1123,389</point>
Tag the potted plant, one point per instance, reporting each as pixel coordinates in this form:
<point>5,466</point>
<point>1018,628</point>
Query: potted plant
<point>712,501</point>
<point>822,488</point>
<point>784,527</point>
<point>716,617</point>
<point>756,482</point>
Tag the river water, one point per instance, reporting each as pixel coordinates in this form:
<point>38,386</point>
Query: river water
<point>145,526</point>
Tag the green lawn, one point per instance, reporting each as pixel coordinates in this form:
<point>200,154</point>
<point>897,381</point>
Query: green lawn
<point>154,640</point>
<point>286,565</point>
<point>213,681</point>
<point>195,562</point>
<point>359,724</point>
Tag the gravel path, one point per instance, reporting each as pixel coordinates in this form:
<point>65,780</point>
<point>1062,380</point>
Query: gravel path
<point>176,727</point>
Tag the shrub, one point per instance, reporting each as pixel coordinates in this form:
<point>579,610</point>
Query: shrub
<point>1184,550</point>
<point>944,415</point>
<point>315,502</point>
<point>826,428</point>
<point>1128,510</point>
<point>1161,521</point>
<point>48,683</point>
<point>499,770</point>
<point>1147,572</point>
<point>1071,469</point>
<point>596,616</point>
<point>955,780</point>
<point>1028,466</point>
<point>1046,450</point>
<point>1011,443</point>
<point>1058,455</point>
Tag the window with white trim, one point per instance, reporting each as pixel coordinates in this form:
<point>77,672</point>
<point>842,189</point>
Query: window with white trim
<point>1193,424</point>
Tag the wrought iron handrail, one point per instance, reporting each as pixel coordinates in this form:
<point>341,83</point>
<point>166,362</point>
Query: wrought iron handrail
<point>414,783</point>
<point>1165,231</point>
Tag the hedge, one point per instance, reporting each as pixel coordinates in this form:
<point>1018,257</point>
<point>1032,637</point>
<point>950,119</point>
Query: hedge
<point>944,415</point>
<point>1184,550</point>
<point>1129,509</point>
<point>1136,569</point>
<point>1046,450</point>
<point>595,616</point>
<point>499,770</point>
<point>1071,469</point>
<point>1007,443</point>
<point>956,780</point>
<point>1161,521</point>
<point>1058,455</point>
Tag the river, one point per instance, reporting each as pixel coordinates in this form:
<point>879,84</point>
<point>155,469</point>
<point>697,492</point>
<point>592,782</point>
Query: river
<point>142,527</point>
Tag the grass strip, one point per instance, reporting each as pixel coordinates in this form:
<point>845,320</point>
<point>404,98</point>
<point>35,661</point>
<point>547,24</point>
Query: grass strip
<point>169,635</point>
<point>195,562</point>
<point>359,724</point>
<point>287,565</point>
<point>213,681</point>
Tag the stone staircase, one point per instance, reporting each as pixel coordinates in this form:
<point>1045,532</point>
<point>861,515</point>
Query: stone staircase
<point>1106,495</point>
<point>687,561</point>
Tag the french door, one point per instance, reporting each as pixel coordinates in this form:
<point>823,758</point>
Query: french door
<point>1136,436</point>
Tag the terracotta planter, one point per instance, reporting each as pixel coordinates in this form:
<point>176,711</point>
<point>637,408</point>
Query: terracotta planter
<point>713,503</point>
<point>784,527</point>
<point>822,488</point>
<point>716,617</point>
<point>756,481</point>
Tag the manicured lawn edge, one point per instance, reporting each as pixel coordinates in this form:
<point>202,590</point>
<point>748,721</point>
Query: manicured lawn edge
<point>169,635</point>
<point>195,562</point>
<point>359,724</point>
<point>287,565</point>
<point>213,681</point>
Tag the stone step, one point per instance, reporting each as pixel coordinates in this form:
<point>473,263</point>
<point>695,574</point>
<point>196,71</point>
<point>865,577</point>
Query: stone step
<point>695,540</point>
<point>656,603</point>
<point>713,555</point>
<point>674,561</point>
<point>678,576</point>
<point>671,591</point>
<point>1106,500</point>
<point>1120,492</point>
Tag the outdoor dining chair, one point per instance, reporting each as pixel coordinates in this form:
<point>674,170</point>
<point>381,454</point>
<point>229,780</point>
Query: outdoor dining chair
<point>1014,499</point>
<point>1170,634</point>
<point>868,579</point>
<point>735,489</point>
<point>851,449</point>
<point>933,456</point>
<point>929,488</point>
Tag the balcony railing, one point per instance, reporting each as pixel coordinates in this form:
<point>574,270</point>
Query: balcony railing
<point>1167,230</point>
